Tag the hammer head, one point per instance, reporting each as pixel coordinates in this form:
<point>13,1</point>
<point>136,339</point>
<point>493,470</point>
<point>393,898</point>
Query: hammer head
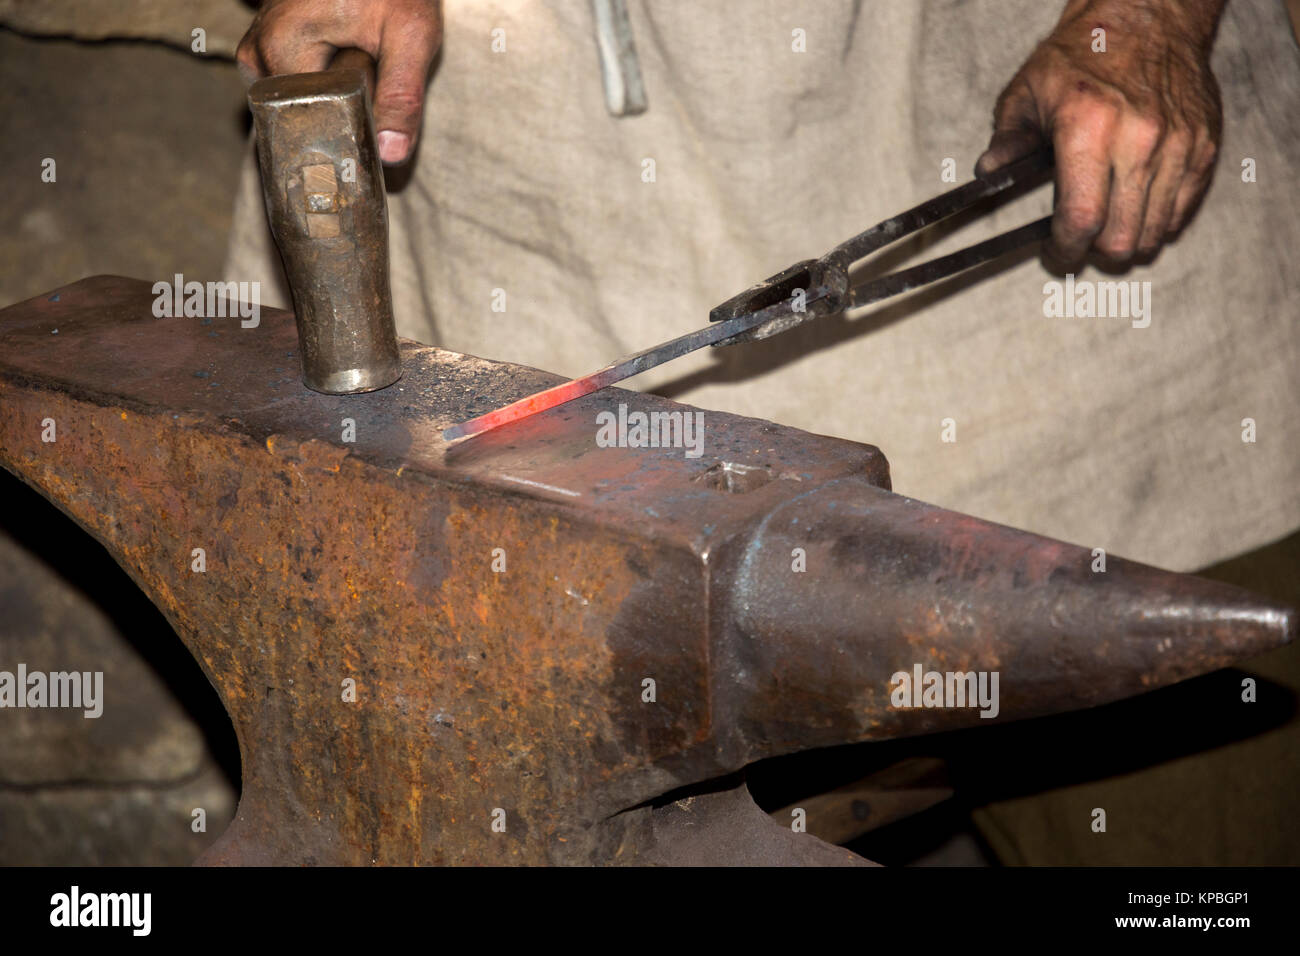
<point>324,192</point>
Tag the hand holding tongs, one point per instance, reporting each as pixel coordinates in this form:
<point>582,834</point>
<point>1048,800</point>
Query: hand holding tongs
<point>807,290</point>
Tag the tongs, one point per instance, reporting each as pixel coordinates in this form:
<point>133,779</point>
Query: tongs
<point>807,290</point>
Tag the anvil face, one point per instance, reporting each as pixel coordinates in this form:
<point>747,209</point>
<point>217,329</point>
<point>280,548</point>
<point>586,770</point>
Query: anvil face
<point>488,653</point>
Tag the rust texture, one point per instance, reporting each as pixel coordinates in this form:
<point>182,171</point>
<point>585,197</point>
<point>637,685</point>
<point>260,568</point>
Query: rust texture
<point>517,695</point>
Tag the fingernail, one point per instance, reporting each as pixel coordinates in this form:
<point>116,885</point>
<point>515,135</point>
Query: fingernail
<point>393,146</point>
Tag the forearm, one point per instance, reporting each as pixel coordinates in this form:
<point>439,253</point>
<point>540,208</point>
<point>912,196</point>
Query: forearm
<point>1195,20</point>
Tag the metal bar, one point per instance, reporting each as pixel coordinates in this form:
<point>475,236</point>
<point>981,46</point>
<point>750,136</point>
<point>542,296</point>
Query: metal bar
<point>616,371</point>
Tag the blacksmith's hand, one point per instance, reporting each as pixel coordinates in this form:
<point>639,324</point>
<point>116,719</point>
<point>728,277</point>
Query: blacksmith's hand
<point>301,36</point>
<point>1122,89</point>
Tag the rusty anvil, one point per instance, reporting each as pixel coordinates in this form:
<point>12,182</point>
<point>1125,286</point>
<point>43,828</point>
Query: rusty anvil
<point>498,609</point>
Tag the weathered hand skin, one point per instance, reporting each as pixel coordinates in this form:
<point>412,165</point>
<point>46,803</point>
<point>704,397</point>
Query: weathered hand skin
<point>1136,126</point>
<point>301,36</point>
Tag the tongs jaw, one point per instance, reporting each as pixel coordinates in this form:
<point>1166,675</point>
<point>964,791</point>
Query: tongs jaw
<point>813,287</point>
<point>820,287</point>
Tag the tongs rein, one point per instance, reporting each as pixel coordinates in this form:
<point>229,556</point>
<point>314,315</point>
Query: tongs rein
<point>820,287</point>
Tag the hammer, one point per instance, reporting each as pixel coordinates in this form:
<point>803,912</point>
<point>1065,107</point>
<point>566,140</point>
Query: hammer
<point>324,192</point>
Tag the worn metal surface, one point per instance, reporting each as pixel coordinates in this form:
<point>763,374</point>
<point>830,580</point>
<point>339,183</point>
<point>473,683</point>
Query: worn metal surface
<point>324,192</point>
<point>521,690</point>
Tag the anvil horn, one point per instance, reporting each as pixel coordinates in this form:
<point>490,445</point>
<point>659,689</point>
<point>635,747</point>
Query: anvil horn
<point>496,653</point>
<point>895,586</point>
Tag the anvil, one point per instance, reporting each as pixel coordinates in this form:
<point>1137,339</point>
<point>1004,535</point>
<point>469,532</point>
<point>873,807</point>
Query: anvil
<point>518,650</point>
